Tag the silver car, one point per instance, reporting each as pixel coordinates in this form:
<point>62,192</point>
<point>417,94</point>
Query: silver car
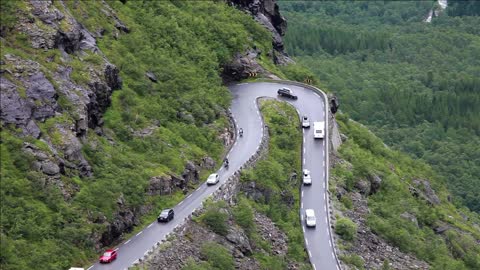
<point>305,122</point>
<point>213,179</point>
<point>307,179</point>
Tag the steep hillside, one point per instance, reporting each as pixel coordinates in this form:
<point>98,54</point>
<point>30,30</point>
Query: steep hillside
<point>415,84</point>
<point>110,111</point>
<point>393,212</point>
<point>256,226</point>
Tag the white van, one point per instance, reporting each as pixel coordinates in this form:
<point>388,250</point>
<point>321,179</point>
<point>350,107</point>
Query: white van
<point>310,219</point>
<point>319,130</point>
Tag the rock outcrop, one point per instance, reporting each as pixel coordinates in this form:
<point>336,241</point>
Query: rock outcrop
<point>267,13</point>
<point>167,184</point>
<point>245,64</point>
<point>41,99</point>
<point>424,190</point>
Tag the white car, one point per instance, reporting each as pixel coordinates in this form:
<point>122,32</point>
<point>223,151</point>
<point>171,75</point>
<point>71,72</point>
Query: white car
<point>310,219</point>
<point>305,122</point>
<point>307,179</point>
<point>213,179</point>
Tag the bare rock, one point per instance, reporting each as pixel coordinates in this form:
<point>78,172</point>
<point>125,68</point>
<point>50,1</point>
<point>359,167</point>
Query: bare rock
<point>50,168</point>
<point>427,192</point>
<point>240,240</point>
<point>151,76</point>
<point>335,137</point>
<point>363,186</point>
<point>14,108</point>
<point>207,163</point>
<point>41,96</point>
<point>340,192</point>
<point>123,221</point>
<point>269,232</point>
<point>227,137</point>
<point>112,78</point>
<point>375,182</point>
<point>242,66</point>
<point>190,173</point>
<point>258,194</point>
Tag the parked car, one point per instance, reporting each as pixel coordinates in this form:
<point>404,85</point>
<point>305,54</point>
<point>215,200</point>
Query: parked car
<point>213,179</point>
<point>310,219</point>
<point>166,215</point>
<point>305,122</point>
<point>307,179</point>
<point>108,256</point>
<point>286,92</point>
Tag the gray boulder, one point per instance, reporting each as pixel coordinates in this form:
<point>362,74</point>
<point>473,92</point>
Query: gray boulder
<point>375,182</point>
<point>15,109</point>
<point>240,240</point>
<point>50,168</point>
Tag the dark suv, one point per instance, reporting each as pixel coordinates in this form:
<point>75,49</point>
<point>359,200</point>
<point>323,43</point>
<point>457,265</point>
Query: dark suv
<point>166,215</point>
<point>286,92</point>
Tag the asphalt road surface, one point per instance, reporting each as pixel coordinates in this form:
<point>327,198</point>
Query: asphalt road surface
<point>247,116</point>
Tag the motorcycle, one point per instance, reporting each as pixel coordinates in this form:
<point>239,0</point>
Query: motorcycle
<point>226,163</point>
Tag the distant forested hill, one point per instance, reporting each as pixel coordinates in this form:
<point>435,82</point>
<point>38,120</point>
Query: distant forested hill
<point>415,84</point>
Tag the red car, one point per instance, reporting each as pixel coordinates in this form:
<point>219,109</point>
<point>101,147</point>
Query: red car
<point>108,256</point>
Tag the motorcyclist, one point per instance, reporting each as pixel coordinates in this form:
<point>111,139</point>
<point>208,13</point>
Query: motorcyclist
<point>226,162</point>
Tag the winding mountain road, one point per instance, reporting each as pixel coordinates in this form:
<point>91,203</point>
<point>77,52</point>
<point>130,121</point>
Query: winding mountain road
<point>246,114</point>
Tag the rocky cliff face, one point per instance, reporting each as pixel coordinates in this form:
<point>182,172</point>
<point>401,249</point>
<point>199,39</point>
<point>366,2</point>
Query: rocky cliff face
<point>244,64</point>
<point>36,90</point>
<point>55,98</point>
<point>267,13</point>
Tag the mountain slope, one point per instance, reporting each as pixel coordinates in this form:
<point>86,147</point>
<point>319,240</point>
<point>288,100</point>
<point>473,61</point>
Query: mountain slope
<point>400,208</point>
<point>110,111</point>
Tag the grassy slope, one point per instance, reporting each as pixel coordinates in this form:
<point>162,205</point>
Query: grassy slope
<point>456,249</point>
<point>184,44</point>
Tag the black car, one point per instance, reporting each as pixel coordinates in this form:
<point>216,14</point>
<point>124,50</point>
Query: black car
<point>286,92</point>
<point>166,215</point>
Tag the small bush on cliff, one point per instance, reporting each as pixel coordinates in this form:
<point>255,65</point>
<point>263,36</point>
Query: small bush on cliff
<point>243,214</point>
<point>346,228</point>
<point>353,260</point>
<point>216,219</point>
<point>217,256</point>
<point>193,265</point>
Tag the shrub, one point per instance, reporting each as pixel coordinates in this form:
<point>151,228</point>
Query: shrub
<point>347,201</point>
<point>354,260</point>
<point>193,265</point>
<point>243,214</point>
<point>217,256</point>
<point>346,228</point>
<point>216,220</point>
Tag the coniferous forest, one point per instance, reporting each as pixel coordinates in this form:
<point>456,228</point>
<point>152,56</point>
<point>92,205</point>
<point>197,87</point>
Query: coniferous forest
<point>415,84</point>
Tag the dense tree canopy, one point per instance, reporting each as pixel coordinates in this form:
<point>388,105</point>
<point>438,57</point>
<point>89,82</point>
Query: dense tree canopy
<point>415,84</point>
